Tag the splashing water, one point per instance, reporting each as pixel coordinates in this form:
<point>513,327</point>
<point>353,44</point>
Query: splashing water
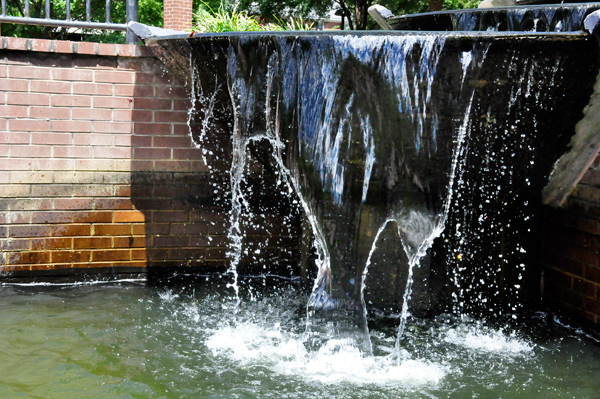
<point>367,130</point>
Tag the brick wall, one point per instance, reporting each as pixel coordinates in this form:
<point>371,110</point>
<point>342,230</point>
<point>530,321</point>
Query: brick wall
<point>96,166</point>
<point>178,14</point>
<point>572,243</point>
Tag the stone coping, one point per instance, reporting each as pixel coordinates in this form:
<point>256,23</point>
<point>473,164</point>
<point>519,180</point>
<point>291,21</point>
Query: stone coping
<point>69,47</point>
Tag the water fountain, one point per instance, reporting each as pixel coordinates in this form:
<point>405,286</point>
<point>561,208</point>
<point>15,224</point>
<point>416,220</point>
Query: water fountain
<point>418,160</point>
<point>414,156</point>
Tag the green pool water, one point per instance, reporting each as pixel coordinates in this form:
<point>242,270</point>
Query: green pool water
<point>132,341</point>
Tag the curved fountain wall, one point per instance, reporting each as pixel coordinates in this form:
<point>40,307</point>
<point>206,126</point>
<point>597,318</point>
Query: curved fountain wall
<point>414,157</point>
<point>541,18</point>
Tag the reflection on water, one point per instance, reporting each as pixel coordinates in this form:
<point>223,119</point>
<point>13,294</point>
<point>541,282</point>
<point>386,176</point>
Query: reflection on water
<point>132,341</point>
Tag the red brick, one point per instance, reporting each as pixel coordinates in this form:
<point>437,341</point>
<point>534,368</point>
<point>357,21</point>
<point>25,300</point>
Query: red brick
<point>142,166</point>
<point>127,50</point>
<point>183,154</point>
<point>15,244</point>
<point>101,139</point>
<point>143,116</point>
<point>112,229</point>
<point>92,242</point>
<point>154,79</point>
<point>50,113</point>
<point>175,166</point>
<point>112,152</point>
<point>14,138</point>
<point>14,85</point>
<point>71,126</point>
<point>28,257</point>
<point>53,164</point>
<point>171,92</point>
<point>70,101</point>
<point>71,256</point>
<point>32,151</point>
<point>122,115</point>
<point>15,164</point>
<point>114,76</point>
<point>152,153</point>
<point>51,190</point>
<point>162,129</point>
<point>63,46</point>
<point>73,203</point>
<point>86,48</point>
<point>173,142</point>
<point>27,99</point>
<point>114,203</point>
<point>112,127</point>
<point>112,102</point>
<point>72,74</point>
<point>145,92</point>
<point>28,72</point>
<point>51,138</point>
<point>93,89</point>
<point>128,90</point>
<point>8,111</point>
<point>151,103</point>
<point>170,216</point>
<point>29,125</point>
<point>41,45</point>
<point>95,164</point>
<point>123,191</point>
<point>130,242</point>
<point>52,243</point>
<point>46,86</point>
<point>114,255</point>
<point>107,49</point>
<point>123,140</point>
<point>31,204</point>
<point>94,114</point>
<point>93,217</point>
<point>15,217</point>
<point>181,129</point>
<point>170,116</point>
<point>51,217</point>
<point>73,152</point>
<point>182,105</point>
<point>29,231</point>
<point>129,216</point>
<point>92,190</point>
<point>71,230</point>
<point>16,43</point>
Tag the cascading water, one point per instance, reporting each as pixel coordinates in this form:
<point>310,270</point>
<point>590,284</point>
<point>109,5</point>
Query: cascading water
<point>363,131</point>
<point>402,150</point>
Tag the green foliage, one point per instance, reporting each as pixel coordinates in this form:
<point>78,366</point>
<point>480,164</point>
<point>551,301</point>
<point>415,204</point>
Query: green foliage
<point>460,4</point>
<point>277,10</point>
<point>230,19</point>
<point>150,12</point>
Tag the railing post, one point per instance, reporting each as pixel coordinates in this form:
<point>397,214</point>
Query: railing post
<point>132,15</point>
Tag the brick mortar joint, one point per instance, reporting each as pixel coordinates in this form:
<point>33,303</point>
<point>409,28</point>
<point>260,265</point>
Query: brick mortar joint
<point>70,47</point>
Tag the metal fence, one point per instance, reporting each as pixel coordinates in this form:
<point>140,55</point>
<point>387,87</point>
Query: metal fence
<point>131,8</point>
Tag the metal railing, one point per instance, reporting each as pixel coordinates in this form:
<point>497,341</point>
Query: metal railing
<point>131,11</point>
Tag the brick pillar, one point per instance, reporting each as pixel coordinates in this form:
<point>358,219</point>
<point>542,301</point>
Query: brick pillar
<point>178,14</point>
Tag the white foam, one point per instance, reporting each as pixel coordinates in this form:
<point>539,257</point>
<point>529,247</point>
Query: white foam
<point>491,341</point>
<point>336,361</point>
